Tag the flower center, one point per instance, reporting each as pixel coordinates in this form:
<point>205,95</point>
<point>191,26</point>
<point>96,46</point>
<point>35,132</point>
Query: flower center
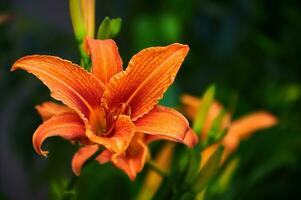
<point>112,117</point>
<point>98,121</point>
<point>103,121</point>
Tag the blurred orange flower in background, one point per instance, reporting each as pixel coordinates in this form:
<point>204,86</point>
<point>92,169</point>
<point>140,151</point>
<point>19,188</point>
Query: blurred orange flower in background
<point>110,107</point>
<point>238,130</point>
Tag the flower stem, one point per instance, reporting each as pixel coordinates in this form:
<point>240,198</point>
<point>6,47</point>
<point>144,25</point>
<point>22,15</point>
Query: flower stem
<point>156,168</point>
<point>68,193</point>
<point>85,60</point>
<point>73,180</point>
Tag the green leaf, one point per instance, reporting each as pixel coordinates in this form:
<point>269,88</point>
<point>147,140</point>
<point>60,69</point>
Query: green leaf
<point>201,195</point>
<point>115,27</point>
<point>217,123</point>
<point>109,28</point>
<point>215,132</point>
<point>104,29</point>
<point>208,171</point>
<point>193,167</point>
<point>220,135</point>
<point>57,188</point>
<point>202,112</point>
<point>223,181</point>
<point>55,191</point>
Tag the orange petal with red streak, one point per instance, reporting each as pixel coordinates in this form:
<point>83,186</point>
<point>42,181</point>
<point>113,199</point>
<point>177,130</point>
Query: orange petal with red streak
<point>67,82</point>
<point>166,123</point>
<point>132,160</point>
<point>147,77</point>
<point>50,109</point>
<point>106,60</point>
<point>246,126</point>
<point>120,139</point>
<point>68,126</point>
<point>81,156</point>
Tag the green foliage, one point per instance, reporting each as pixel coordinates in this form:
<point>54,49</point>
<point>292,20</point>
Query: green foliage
<point>192,168</point>
<point>149,30</point>
<point>109,28</point>
<point>216,132</point>
<point>208,172</point>
<point>58,190</point>
<point>203,109</point>
<point>221,184</point>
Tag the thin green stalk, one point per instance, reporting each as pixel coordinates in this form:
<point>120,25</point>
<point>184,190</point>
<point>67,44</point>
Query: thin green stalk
<point>73,180</point>
<point>85,60</point>
<point>157,169</point>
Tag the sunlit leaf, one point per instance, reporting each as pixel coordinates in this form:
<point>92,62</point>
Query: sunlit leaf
<point>223,181</point>
<point>216,131</point>
<point>104,29</point>
<point>208,172</point>
<point>207,100</point>
<point>115,27</point>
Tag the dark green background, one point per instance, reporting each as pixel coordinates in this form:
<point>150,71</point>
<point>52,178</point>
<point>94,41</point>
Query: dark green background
<point>250,49</point>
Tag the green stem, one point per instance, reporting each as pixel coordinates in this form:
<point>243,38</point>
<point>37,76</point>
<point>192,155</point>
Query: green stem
<point>85,60</point>
<point>187,196</point>
<point>73,180</point>
<point>156,168</point>
<point>92,158</point>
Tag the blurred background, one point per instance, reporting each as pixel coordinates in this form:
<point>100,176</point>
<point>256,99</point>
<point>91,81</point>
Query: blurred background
<point>249,49</point>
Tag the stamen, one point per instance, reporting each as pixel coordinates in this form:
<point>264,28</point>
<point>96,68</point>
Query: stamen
<point>126,109</point>
<point>112,117</point>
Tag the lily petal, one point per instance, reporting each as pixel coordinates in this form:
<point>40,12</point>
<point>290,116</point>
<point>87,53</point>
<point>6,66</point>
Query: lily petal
<point>50,109</point>
<point>147,77</point>
<point>104,156</point>
<point>81,156</point>
<point>166,123</point>
<point>120,139</point>
<point>67,82</point>
<point>191,105</point>
<point>67,125</point>
<point>245,126</point>
<point>190,140</point>
<point>132,160</point>
<point>106,60</point>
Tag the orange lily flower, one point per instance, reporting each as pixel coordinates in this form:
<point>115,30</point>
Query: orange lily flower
<point>238,130</point>
<point>133,159</point>
<point>109,106</point>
